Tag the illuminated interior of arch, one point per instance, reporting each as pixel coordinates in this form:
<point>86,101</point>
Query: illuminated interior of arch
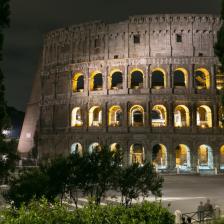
<point>158,78</point>
<point>76,118</point>
<point>95,116</point>
<point>78,82</point>
<point>76,148</point>
<point>136,78</point>
<point>159,156</point>
<point>94,147</point>
<point>114,147</point>
<point>137,154</point>
<point>181,116</point>
<point>183,157</point>
<point>221,116</point>
<point>204,117</point>
<point>180,77</point>
<point>159,116</point>
<point>136,116</point>
<point>115,116</point>
<point>222,157</point>
<point>116,79</point>
<point>205,157</point>
<point>96,81</point>
<point>219,80</point>
<point>202,78</point>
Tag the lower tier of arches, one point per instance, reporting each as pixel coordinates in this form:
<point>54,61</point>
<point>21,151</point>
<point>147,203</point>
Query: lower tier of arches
<point>169,153</point>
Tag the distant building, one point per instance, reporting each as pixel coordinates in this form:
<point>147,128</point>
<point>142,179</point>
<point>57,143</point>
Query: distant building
<point>149,85</point>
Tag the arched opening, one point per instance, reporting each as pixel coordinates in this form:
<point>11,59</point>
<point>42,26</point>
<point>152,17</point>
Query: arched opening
<point>180,77</point>
<point>159,156</point>
<point>205,157</point>
<point>221,116</point>
<point>94,147</point>
<point>115,147</point>
<point>116,80</point>
<point>181,116</point>
<point>137,116</point>
<point>159,116</point>
<point>158,79</point>
<point>96,81</point>
<point>204,117</point>
<point>78,82</point>
<point>95,116</point>
<point>137,154</point>
<point>202,79</point>
<point>222,157</point>
<point>76,148</point>
<point>115,116</point>
<point>183,160</point>
<point>76,118</point>
<point>137,77</point>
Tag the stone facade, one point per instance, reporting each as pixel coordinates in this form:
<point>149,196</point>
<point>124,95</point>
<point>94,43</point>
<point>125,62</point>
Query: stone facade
<point>143,44</point>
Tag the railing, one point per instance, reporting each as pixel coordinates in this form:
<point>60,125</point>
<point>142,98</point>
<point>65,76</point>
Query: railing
<point>205,217</point>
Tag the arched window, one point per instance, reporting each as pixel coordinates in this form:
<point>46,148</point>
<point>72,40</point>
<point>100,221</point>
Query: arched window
<point>181,116</point>
<point>76,118</point>
<point>202,78</point>
<point>76,148</point>
<point>137,77</point>
<point>116,80</point>
<point>222,157</point>
<point>204,117</point>
<point>96,81</point>
<point>95,116</point>
<point>159,156</point>
<point>159,116</point>
<point>115,116</point>
<point>180,77</point>
<point>137,154</point>
<point>183,157</point>
<point>78,82</point>
<point>158,79</point>
<point>221,116</point>
<point>115,147</point>
<point>205,157</point>
<point>137,116</point>
<point>94,147</point>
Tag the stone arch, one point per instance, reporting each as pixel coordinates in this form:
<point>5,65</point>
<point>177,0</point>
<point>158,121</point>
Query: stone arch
<point>95,116</point>
<point>183,157</point>
<point>94,147</point>
<point>76,148</point>
<point>159,156</point>
<point>116,79</point>
<point>136,116</point>
<point>180,77</point>
<point>78,82</point>
<point>76,117</point>
<point>159,116</point>
<point>158,78</point>
<point>137,153</point>
<point>181,116</point>
<point>204,116</point>
<point>136,78</point>
<point>221,160</point>
<point>202,78</point>
<point>115,116</point>
<point>205,157</point>
<point>96,81</point>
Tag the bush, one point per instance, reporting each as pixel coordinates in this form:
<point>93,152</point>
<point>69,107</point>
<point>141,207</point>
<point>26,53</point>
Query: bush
<point>220,221</point>
<point>44,213</point>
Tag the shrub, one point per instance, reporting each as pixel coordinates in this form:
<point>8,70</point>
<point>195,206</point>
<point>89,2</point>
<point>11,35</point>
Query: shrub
<point>41,212</point>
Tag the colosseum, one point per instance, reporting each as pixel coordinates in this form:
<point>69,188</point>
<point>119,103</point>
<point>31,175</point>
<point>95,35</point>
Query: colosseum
<point>149,85</point>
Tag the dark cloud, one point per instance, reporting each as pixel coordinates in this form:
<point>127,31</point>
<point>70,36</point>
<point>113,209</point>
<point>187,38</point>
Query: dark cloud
<point>30,19</point>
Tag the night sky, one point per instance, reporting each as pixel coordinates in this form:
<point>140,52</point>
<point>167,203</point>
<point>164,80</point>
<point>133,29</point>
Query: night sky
<point>30,19</point>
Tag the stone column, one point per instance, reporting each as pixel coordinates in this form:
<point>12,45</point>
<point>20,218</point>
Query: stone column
<point>191,80</point>
<point>215,119</point>
<point>170,116</point>
<point>170,78</point>
<point>213,79</point>
<point>193,119</point>
<point>146,79</point>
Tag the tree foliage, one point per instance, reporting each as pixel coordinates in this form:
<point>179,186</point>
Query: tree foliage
<point>91,175</point>
<point>41,212</point>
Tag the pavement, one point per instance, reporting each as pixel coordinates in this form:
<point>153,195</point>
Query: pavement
<point>185,192</point>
